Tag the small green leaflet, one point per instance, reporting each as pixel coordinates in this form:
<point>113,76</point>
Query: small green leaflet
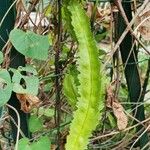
<point>31,82</point>
<point>1,57</point>
<point>35,124</point>
<point>70,84</point>
<point>42,144</point>
<point>5,86</point>
<point>24,144</point>
<point>70,90</point>
<point>30,44</point>
<point>48,112</point>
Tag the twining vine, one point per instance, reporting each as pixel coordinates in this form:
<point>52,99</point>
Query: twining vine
<point>57,72</point>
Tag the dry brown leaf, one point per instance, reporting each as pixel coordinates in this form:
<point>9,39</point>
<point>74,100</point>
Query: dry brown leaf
<point>100,12</point>
<point>122,120</point>
<point>103,16</point>
<point>118,111</point>
<point>109,97</point>
<point>28,102</point>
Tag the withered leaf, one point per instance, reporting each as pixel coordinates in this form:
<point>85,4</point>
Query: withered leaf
<point>28,102</point>
<point>109,97</point>
<point>122,120</point>
<point>118,110</point>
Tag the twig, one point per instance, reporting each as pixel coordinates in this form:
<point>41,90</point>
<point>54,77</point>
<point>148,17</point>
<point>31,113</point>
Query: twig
<point>57,71</point>
<point>117,132</point>
<point>139,137</point>
<point>2,20</point>
<point>145,146</point>
<point>141,23</point>
<point>126,31</point>
<point>119,5</point>
<point>18,126</point>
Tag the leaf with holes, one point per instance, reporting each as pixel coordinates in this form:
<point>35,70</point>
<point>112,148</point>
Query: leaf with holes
<point>30,44</point>
<point>5,86</point>
<point>25,80</point>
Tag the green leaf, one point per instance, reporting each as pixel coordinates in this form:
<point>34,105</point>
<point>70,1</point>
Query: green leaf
<point>29,69</point>
<point>70,84</point>
<point>1,57</point>
<point>102,52</point>
<point>24,144</point>
<point>42,144</point>
<point>70,90</point>
<point>47,86</point>
<point>31,83</point>
<point>48,112</point>
<point>5,86</point>
<point>35,123</point>
<point>111,120</point>
<point>100,37</point>
<point>66,16</point>
<point>47,11</point>
<point>30,44</point>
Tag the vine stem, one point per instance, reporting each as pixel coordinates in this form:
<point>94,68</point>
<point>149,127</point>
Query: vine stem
<point>18,125</point>
<point>57,71</point>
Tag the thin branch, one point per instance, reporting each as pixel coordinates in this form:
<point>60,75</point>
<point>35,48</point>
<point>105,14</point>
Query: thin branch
<point>2,20</point>
<point>18,125</point>
<point>139,137</point>
<point>125,32</point>
<point>57,71</point>
<point>119,5</point>
<point>117,132</point>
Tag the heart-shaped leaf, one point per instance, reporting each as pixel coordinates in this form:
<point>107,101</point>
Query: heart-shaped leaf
<point>5,86</point>
<point>30,44</point>
<point>24,84</point>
